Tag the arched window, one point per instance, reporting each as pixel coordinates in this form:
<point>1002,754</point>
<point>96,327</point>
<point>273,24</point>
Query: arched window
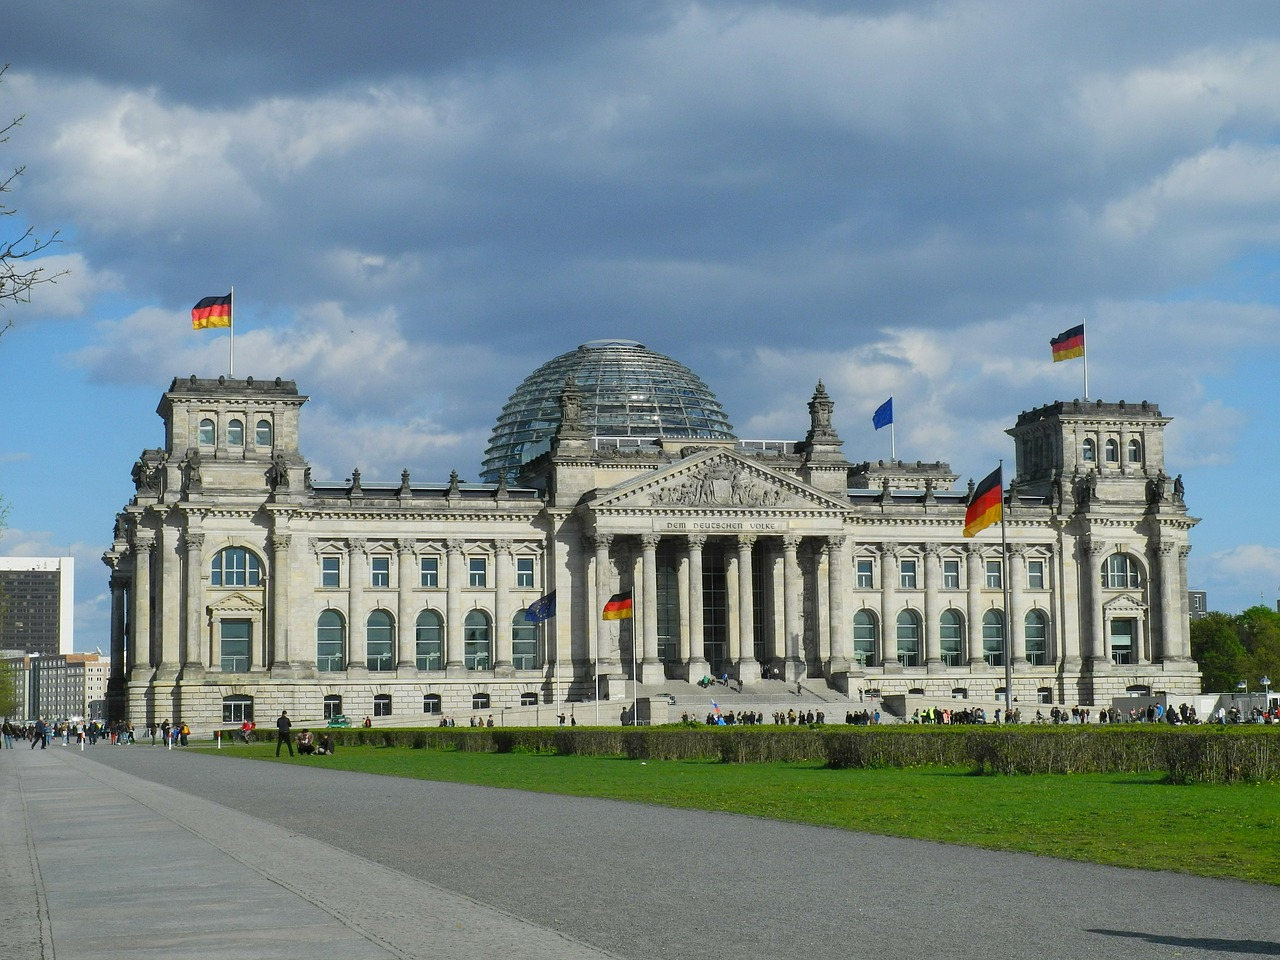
<point>864,638</point>
<point>479,701</point>
<point>477,653</point>
<point>908,638</point>
<point>331,641</point>
<point>262,434</point>
<point>524,643</point>
<point>951,634</point>
<point>235,567</point>
<point>332,706</point>
<point>380,641</point>
<point>235,433</point>
<point>1089,451</point>
<point>431,703</point>
<point>528,699</point>
<point>429,637</point>
<point>382,705</point>
<point>1121,572</point>
<point>237,709</point>
<point>993,638</point>
<point>1036,632</point>
<point>206,435</point>
<point>1135,451</point>
<point>1112,450</point>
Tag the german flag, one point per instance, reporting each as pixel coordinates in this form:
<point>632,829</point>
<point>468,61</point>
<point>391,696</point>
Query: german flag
<point>986,505</point>
<point>211,312</point>
<point>618,607</point>
<point>1069,344</point>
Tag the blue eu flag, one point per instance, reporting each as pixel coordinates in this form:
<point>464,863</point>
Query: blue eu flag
<point>542,609</point>
<point>883,415</point>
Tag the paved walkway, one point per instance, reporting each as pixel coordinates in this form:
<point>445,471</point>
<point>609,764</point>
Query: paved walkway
<point>98,864</point>
<point>140,852</point>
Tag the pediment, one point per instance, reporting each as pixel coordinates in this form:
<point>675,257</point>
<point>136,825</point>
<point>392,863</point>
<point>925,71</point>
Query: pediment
<point>1124,604</point>
<point>235,604</point>
<point>716,480</point>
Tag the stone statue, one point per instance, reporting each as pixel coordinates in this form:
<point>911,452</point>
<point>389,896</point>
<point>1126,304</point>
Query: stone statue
<point>1179,491</point>
<point>193,469</point>
<point>278,473</point>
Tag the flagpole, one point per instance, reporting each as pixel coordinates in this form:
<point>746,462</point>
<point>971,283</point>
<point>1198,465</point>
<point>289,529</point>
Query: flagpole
<point>893,456</point>
<point>1086,363</point>
<point>1008,620</point>
<point>231,342</point>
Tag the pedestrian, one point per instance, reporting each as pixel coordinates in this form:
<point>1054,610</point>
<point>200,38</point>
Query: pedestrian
<point>282,732</point>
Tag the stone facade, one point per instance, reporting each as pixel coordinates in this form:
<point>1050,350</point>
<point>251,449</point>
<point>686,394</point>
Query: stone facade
<point>239,585</point>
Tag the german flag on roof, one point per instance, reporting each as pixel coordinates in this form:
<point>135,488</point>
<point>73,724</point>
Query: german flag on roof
<point>986,506</point>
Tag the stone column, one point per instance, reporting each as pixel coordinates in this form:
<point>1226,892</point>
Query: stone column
<point>503,579</point>
<point>1167,588</point>
<point>889,606</point>
<point>1181,648</point>
<point>357,614</point>
<point>1017,612</point>
<point>975,576</point>
<point>169,583</point>
<point>142,653</point>
<point>932,607</point>
<point>651,668</point>
<point>456,574</point>
<point>196,643</point>
<point>406,580</point>
<point>698,666</point>
<point>1094,643</point>
<point>608,656</point>
<point>838,666</point>
<point>746,666</point>
<point>280,647</point>
<point>682,577</point>
<point>792,581</point>
<point>123,656</point>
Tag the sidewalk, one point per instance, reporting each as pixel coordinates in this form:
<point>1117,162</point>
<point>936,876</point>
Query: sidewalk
<point>100,865</point>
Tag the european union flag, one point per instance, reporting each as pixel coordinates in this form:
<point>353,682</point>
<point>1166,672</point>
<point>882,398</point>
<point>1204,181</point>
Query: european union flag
<point>883,415</point>
<point>542,609</point>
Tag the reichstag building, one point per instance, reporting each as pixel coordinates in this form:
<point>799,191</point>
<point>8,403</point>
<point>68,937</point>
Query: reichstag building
<point>240,586</point>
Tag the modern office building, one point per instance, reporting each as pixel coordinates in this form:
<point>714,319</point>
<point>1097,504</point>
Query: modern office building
<point>242,587</point>
<point>37,602</point>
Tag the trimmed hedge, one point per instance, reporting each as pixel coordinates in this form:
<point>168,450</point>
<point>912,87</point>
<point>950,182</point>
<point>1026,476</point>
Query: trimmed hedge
<point>1202,754</point>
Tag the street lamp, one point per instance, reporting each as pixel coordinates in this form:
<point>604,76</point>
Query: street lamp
<point>1266,688</point>
<point>1243,687</point>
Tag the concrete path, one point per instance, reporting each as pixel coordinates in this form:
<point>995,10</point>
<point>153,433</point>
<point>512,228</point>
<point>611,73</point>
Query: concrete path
<point>142,852</point>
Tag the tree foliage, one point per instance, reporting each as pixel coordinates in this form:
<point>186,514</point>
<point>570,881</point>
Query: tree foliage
<point>19,274</point>
<point>9,699</point>
<point>1240,648</point>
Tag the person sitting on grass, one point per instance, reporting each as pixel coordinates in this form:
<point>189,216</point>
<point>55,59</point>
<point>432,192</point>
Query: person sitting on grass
<point>306,742</point>
<point>325,746</point>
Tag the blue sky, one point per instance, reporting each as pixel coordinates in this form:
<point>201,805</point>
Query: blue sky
<point>420,203</point>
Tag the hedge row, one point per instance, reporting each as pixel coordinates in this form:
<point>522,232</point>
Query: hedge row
<point>1207,754</point>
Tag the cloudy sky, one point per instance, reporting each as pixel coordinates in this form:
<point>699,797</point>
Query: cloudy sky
<point>419,203</point>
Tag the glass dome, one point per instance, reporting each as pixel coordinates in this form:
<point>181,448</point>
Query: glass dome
<point>627,390</point>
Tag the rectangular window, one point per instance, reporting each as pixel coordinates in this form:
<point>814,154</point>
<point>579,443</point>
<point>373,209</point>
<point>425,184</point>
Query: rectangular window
<point>380,571</point>
<point>1035,574</point>
<point>524,571</point>
<point>907,574</point>
<point>866,574</point>
<point>330,571</point>
<point>235,646</point>
<point>995,578</point>
<point>430,572</point>
<point>950,574</point>
<point>478,572</point>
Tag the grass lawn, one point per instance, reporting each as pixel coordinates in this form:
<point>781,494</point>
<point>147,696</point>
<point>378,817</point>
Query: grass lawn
<point>1129,820</point>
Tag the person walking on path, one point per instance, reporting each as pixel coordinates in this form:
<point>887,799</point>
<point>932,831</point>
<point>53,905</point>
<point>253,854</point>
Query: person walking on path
<point>282,732</point>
